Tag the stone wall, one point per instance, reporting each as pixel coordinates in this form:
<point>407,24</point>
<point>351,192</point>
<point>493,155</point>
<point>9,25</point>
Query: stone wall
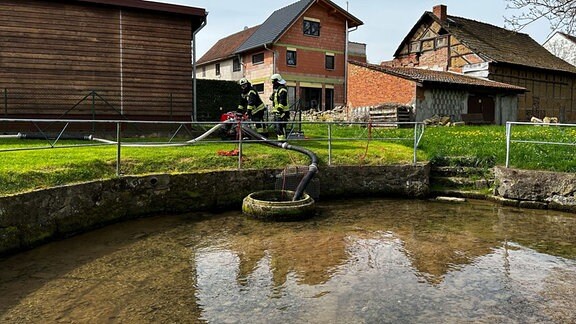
<point>536,189</point>
<point>29,219</point>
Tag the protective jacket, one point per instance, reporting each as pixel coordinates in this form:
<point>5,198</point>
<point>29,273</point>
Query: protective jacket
<point>280,101</point>
<point>250,101</point>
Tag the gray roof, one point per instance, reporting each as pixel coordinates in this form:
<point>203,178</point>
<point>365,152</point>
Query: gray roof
<point>275,25</point>
<point>280,20</point>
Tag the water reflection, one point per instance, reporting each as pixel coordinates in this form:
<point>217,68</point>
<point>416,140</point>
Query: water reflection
<point>361,261</point>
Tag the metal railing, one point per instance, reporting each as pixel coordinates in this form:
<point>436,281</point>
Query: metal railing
<point>510,140</point>
<point>363,132</point>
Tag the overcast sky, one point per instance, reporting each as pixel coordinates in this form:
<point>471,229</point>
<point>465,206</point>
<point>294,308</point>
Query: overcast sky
<point>386,22</point>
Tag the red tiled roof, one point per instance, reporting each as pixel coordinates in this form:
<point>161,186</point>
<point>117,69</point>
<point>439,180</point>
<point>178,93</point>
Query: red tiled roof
<point>502,45</point>
<point>226,47</point>
<point>440,77</point>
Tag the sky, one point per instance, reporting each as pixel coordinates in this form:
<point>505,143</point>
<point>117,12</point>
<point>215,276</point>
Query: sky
<point>386,22</point>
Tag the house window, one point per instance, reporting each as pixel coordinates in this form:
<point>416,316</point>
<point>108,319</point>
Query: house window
<point>329,61</point>
<point>311,27</point>
<point>235,64</point>
<point>258,87</point>
<point>203,71</point>
<point>291,57</point>
<point>258,58</point>
<point>217,68</point>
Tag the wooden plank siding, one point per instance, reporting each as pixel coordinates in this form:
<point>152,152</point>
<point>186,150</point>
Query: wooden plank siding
<point>54,53</point>
<point>549,95</point>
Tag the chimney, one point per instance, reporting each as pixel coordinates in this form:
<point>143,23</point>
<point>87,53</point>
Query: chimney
<point>440,12</point>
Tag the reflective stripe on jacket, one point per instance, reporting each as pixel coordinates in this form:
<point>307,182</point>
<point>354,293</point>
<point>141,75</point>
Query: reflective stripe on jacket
<point>280,100</point>
<point>252,101</point>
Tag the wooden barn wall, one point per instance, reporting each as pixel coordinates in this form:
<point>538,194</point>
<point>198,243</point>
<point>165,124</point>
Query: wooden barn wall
<point>54,54</point>
<point>549,93</point>
<point>157,64</point>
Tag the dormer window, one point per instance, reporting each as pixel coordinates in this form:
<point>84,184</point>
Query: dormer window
<point>311,27</point>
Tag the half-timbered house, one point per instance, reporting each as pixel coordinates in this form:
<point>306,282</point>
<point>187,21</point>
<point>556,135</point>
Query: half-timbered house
<point>439,41</point>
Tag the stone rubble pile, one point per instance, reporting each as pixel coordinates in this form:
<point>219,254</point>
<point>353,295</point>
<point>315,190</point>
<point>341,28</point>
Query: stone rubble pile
<point>545,120</point>
<point>338,114</point>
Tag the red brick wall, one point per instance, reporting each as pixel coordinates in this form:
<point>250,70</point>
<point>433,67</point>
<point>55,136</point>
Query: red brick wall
<point>311,49</point>
<point>437,60</point>
<point>311,53</point>
<point>367,87</point>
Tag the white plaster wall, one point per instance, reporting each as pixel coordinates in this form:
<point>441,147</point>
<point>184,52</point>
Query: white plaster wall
<point>562,47</point>
<point>226,72</point>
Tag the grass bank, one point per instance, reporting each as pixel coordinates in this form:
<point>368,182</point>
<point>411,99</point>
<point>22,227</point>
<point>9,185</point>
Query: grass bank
<point>24,169</point>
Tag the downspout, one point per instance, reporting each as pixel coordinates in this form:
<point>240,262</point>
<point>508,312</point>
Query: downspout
<point>195,102</point>
<point>346,48</point>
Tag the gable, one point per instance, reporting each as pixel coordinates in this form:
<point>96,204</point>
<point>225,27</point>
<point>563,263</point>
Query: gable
<point>473,42</point>
<point>282,19</point>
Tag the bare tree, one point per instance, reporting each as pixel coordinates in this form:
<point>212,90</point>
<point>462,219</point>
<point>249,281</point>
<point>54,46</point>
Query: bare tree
<point>561,14</point>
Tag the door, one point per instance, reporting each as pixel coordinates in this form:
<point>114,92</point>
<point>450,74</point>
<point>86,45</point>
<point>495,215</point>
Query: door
<point>483,105</point>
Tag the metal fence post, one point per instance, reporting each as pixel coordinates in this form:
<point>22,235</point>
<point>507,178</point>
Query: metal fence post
<point>415,143</point>
<point>118,150</point>
<point>239,125</point>
<point>329,144</point>
<point>93,110</point>
<point>508,134</point>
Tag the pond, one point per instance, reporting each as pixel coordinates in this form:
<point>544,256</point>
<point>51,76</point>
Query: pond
<point>358,261</point>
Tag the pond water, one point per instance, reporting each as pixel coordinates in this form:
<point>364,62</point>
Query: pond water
<point>358,261</point>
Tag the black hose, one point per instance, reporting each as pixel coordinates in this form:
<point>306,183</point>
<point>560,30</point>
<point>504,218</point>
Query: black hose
<point>312,168</point>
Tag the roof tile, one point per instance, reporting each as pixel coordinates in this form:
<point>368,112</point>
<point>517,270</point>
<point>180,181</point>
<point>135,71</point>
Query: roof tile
<point>226,47</point>
<point>439,77</point>
<point>501,45</point>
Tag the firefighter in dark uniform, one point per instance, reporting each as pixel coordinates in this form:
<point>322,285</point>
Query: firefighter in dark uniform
<point>280,107</point>
<point>251,103</point>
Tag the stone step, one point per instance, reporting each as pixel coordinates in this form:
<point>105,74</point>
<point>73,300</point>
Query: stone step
<point>464,161</point>
<point>452,171</point>
<point>460,182</point>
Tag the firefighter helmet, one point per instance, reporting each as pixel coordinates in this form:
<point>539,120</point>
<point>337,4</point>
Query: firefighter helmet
<point>243,81</point>
<point>278,78</point>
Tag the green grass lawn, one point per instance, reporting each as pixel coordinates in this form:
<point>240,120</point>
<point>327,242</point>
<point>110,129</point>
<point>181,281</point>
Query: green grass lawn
<point>24,170</point>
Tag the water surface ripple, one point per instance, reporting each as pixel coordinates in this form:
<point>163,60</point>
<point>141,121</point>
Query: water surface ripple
<point>358,261</point>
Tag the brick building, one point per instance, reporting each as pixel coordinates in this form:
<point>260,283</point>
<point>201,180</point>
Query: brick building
<point>439,41</point>
<point>429,93</point>
<point>306,42</point>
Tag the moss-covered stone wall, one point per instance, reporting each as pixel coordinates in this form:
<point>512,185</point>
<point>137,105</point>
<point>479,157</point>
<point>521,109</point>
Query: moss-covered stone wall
<point>30,219</point>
